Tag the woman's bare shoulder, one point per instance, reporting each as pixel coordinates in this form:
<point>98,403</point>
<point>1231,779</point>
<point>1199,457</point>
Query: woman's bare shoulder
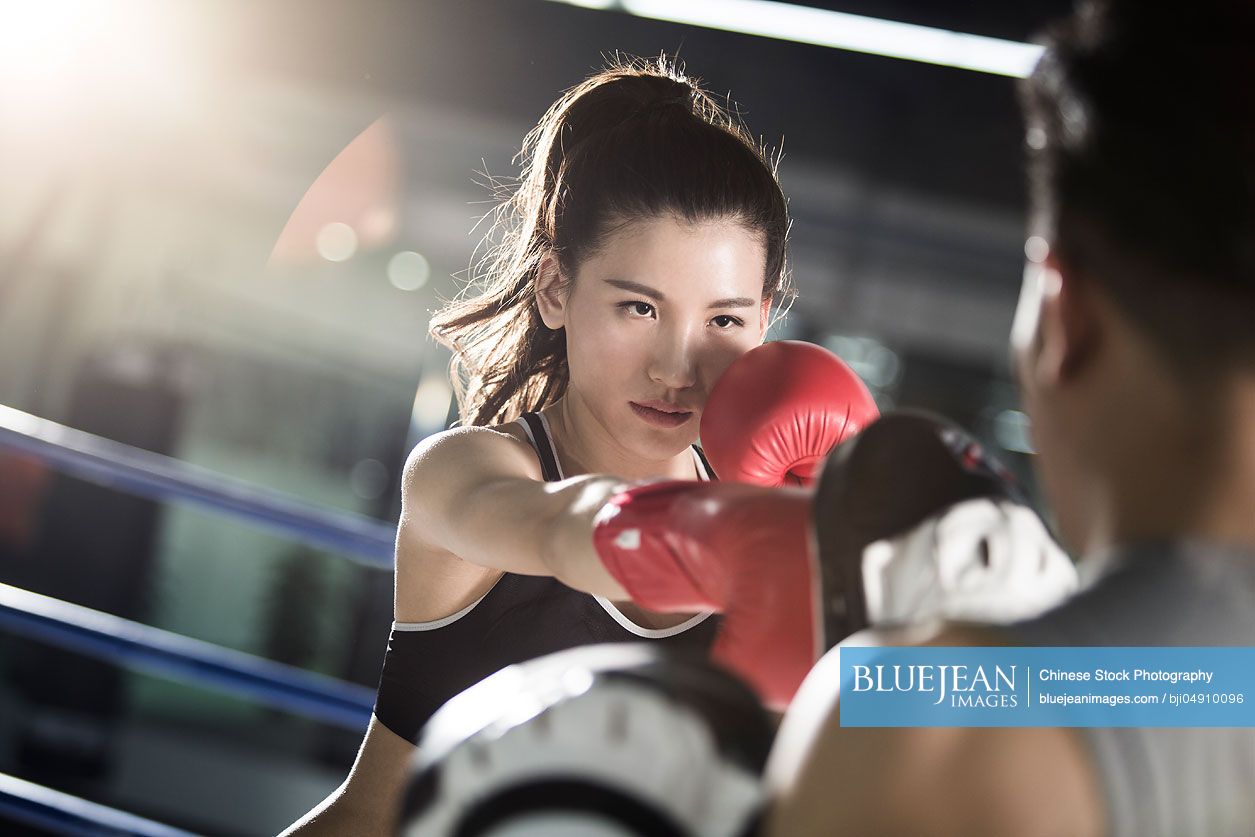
<point>445,472</point>
<point>441,477</point>
<point>501,450</point>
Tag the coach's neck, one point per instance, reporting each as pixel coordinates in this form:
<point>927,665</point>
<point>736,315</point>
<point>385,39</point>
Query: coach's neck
<point>1186,469</point>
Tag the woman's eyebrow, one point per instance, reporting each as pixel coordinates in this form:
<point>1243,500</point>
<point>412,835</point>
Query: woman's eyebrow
<point>734,302</point>
<point>645,290</point>
<point>636,288</point>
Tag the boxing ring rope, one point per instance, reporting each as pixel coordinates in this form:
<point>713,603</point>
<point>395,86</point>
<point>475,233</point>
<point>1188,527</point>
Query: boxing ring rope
<point>152,475</point>
<point>163,653</point>
<point>131,644</point>
<point>44,808</point>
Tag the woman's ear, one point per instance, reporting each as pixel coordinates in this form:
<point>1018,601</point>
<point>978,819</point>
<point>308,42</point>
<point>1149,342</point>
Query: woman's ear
<point>551,292</point>
<point>764,318</point>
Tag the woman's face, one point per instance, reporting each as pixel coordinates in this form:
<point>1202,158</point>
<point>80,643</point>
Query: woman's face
<point>653,319</point>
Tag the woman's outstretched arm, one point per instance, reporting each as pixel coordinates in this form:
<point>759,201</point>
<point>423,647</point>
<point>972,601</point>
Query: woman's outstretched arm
<point>474,504</point>
<point>476,496</point>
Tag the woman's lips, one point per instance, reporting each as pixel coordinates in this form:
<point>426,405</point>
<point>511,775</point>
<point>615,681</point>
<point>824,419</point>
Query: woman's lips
<point>661,418</point>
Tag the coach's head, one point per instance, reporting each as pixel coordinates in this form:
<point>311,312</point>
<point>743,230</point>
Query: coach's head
<point>1135,335</point>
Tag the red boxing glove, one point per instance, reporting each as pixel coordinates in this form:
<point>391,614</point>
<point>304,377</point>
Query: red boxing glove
<point>739,549</point>
<point>780,409</point>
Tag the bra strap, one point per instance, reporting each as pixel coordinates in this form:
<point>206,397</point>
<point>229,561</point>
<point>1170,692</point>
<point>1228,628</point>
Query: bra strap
<point>544,448</point>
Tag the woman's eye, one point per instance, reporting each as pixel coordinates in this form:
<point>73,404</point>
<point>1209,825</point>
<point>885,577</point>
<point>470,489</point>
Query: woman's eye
<point>725,321</point>
<point>640,309</point>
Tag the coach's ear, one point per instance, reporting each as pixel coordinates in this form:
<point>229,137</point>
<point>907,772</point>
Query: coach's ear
<point>1058,329</point>
<point>551,292</point>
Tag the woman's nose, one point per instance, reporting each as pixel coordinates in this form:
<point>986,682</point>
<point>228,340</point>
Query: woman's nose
<point>674,361</point>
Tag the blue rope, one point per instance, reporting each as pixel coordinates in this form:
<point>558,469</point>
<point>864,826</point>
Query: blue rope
<point>152,475</point>
<point>167,654</point>
<point>60,813</point>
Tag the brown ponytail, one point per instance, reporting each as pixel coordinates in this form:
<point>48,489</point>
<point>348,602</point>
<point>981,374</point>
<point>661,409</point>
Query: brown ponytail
<point>636,140</point>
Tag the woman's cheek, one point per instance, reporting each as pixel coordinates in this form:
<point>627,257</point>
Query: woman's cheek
<point>610,346</point>
<point>591,325</point>
<point>719,358</point>
<point>624,332</point>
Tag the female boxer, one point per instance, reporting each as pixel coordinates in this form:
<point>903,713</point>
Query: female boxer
<point>639,256</point>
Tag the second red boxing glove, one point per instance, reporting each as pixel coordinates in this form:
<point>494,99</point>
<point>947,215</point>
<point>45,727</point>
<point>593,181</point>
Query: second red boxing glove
<point>739,549</point>
<point>779,410</point>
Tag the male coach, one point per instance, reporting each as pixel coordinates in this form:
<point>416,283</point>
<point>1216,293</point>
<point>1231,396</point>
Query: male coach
<point>1134,346</point>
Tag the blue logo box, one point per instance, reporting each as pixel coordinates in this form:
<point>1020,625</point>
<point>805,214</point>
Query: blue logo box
<point>1040,687</point>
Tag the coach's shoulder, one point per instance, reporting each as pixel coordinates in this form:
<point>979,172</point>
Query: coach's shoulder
<point>930,780</point>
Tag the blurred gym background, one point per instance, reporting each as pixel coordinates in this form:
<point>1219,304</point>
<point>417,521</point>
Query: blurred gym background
<point>223,227</point>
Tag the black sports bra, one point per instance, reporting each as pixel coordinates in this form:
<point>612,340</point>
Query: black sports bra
<point>520,618</point>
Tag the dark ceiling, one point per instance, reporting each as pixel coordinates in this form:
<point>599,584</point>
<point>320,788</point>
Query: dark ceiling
<point>945,132</point>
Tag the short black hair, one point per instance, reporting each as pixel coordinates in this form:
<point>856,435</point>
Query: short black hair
<point>1140,130</point>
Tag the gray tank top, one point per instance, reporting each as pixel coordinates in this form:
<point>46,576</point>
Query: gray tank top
<point>1169,782</point>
